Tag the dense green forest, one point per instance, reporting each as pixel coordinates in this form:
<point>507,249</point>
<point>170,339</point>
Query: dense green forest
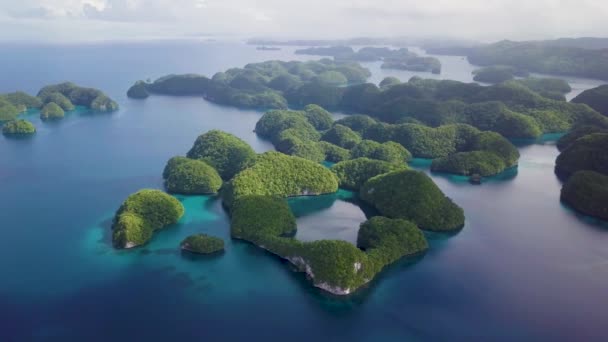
<point>596,98</point>
<point>202,244</point>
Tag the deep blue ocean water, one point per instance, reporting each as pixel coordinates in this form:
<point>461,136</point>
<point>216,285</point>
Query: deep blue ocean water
<point>524,267</point>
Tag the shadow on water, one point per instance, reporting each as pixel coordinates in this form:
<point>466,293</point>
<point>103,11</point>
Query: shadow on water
<point>590,221</point>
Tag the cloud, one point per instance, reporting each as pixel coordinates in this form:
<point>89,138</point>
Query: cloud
<point>476,19</point>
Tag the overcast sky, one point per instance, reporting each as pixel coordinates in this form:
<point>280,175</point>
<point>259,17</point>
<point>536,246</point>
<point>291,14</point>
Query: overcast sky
<point>82,20</point>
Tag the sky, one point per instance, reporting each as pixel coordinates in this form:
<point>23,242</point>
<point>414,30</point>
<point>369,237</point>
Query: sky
<point>485,20</point>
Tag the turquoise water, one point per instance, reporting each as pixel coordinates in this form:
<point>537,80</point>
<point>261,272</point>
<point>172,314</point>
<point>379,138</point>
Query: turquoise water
<point>524,266</point>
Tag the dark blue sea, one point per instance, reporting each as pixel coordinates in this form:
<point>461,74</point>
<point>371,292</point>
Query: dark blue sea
<point>524,267</point>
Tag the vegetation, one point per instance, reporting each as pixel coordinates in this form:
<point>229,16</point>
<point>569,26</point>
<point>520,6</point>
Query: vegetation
<point>388,82</point>
<point>264,85</point>
<point>276,174</point>
<point>596,98</point>
<point>318,117</point>
<point>389,151</point>
<point>578,132</point>
<point>141,214</point>
<point>51,111</point>
<point>202,244</point>
<point>190,176</point>
<point>386,240</point>
<point>413,196</point>
<point>69,94</point>
<point>352,174</point>
<point>335,266</point>
<point>333,153</point>
<point>342,136</point>
<point>587,192</point>
<point>22,101</point>
<point>545,85</point>
<point>138,91</point>
<point>8,111</point>
<point>227,153</point>
<point>496,74</point>
<point>543,57</point>
<point>18,127</point>
<point>586,153</point>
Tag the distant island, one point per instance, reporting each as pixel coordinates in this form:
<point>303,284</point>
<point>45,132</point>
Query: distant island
<point>53,101</point>
<point>402,59</point>
<point>254,190</point>
<point>18,128</point>
<point>557,57</point>
<point>268,48</point>
<point>264,85</point>
<point>596,98</point>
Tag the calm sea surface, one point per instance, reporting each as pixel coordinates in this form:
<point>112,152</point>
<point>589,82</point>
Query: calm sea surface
<point>523,268</point>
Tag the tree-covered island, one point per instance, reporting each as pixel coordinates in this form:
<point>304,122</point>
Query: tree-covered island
<point>255,188</point>
<point>54,100</point>
<point>18,128</point>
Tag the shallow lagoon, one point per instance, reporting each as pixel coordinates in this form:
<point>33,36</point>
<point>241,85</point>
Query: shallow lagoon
<point>524,267</point>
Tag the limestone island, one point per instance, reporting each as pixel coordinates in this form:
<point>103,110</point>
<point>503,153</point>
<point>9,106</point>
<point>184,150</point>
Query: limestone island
<point>54,100</point>
<point>18,128</point>
<point>583,165</point>
<point>202,244</point>
<point>141,214</point>
<point>596,98</point>
<point>191,177</point>
<point>456,148</point>
<point>255,188</point>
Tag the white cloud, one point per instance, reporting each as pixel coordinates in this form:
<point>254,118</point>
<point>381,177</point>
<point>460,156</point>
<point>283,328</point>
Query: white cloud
<point>478,19</point>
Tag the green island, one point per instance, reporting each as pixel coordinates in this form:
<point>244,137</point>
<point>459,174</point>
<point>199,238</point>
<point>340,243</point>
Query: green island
<point>587,192</point>
<point>517,109</point>
<point>266,85</point>
<point>412,195</point>
<point>401,59</point>
<point>255,198</point>
<point>191,177</point>
<point>558,57</point>
<point>18,128</point>
<point>352,174</point>
<point>141,214</point>
<point>497,74</point>
<point>596,98</point>
<point>583,166</point>
<point>227,153</point>
<point>335,266</point>
<point>456,148</point>
<point>586,153</point>
<point>202,244</point>
<point>53,101</point>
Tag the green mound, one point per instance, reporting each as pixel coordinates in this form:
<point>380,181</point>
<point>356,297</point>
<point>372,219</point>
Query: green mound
<point>8,111</point>
<point>352,174</point>
<point>138,91</point>
<point>273,123</point>
<point>69,94</point>
<point>389,151</point>
<point>18,127</point>
<point>494,74</point>
<point>190,176</point>
<point>413,196</point>
<point>276,174</point>
<point>596,98</point>
<point>59,99</point>
<point>577,133</point>
<point>225,152</point>
<point>22,101</point>
<point>587,192</point>
<point>386,240</point>
<point>342,136</point>
<point>202,244</point>
<point>51,111</point>
<point>333,153</point>
<point>586,153</point>
<point>318,117</point>
<point>141,214</point>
